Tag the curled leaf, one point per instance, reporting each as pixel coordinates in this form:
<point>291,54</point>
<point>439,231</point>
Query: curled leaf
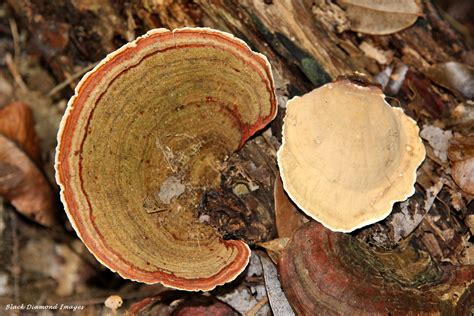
<point>288,218</point>
<point>463,175</point>
<point>17,124</point>
<point>381,17</point>
<point>275,247</point>
<point>456,77</point>
<point>24,185</point>
<point>461,156</point>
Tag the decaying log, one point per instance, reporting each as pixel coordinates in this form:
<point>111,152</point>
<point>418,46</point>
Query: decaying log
<point>308,43</point>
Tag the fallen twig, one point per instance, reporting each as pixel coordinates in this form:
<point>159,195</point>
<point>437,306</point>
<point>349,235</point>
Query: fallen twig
<point>14,71</point>
<point>16,40</point>
<point>254,310</point>
<point>70,79</point>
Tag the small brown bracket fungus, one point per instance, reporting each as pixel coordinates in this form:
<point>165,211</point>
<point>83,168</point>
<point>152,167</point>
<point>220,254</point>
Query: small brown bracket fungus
<point>328,273</point>
<point>347,156</point>
<point>144,137</point>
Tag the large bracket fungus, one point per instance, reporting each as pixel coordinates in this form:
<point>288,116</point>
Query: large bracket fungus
<point>328,273</point>
<point>347,155</point>
<point>144,137</point>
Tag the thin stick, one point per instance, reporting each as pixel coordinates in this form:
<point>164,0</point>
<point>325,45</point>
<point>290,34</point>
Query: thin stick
<point>16,40</point>
<point>69,80</point>
<point>125,296</point>
<point>254,310</point>
<point>14,71</point>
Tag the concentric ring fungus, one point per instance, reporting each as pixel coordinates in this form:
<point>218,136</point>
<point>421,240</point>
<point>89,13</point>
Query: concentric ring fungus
<point>142,139</point>
<point>347,155</point>
<point>327,273</point>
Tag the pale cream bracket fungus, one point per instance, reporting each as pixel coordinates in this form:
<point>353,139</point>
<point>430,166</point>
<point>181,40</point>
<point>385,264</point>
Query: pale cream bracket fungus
<point>347,155</point>
<point>142,139</point>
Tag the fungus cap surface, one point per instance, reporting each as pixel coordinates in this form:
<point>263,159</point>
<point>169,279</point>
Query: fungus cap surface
<point>347,155</point>
<point>142,138</point>
<point>329,273</point>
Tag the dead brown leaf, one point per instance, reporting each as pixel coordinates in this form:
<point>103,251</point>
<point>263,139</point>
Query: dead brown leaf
<point>381,17</point>
<point>24,185</point>
<point>461,156</point>
<point>288,218</point>
<point>462,117</point>
<point>463,174</point>
<point>468,254</point>
<point>456,77</point>
<point>469,220</point>
<point>275,247</point>
<point>461,148</point>
<point>17,124</point>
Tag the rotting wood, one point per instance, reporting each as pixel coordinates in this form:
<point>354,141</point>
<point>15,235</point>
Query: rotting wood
<point>306,50</point>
